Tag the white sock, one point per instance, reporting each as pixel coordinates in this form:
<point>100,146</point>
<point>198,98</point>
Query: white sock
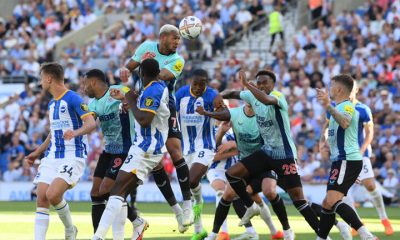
<point>187,204</point>
<point>176,209</point>
<point>41,223</point>
<point>65,215</point>
<point>364,233</point>
<point>377,199</point>
<point>265,215</point>
<point>113,208</point>
<point>251,230</point>
<point>196,192</point>
<point>118,226</point>
<point>198,225</point>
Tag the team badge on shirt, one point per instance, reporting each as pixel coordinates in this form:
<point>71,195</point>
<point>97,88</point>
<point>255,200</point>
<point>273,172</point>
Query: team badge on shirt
<point>348,109</point>
<point>148,102</point>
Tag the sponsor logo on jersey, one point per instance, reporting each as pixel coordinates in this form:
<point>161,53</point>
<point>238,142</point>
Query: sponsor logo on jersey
<point>178,66</point>
<point>63,109</point>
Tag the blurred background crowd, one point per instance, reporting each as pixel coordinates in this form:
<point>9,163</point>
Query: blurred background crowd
<point>364,43</point>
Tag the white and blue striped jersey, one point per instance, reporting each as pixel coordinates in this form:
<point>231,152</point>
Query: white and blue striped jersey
<point>66,113</point>
<point>226,163</point>
<point>154,98</point>
<point>198,132</point>
<point>365,118</point>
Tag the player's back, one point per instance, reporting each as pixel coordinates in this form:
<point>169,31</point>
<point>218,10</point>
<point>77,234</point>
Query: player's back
<point>117,127</point>
<point>66,113</point>
<point>198,131</point>
<point>247,134</point>
<point>154,98</point>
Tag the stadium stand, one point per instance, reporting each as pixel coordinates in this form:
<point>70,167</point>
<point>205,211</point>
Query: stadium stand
<point>363,43</point>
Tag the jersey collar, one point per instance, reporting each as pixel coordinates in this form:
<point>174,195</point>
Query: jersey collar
<point>191,93</point>
<point>62,95</point>
<point>148,85</point>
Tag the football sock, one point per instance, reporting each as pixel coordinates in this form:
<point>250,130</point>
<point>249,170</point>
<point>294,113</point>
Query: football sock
<point>364,233</point>
<point>118,226</point>
<point>348,214</point>
<point>113,208</point>
<point>279,208</point>
<point>182,171</point>
<point>317,210</point>
<point>240,210</point>
<point>41,223</point>
<point>265,215</point>
<point>64,213</point>
<point>240,188</point>
<point>176,209</point>
<point>220,214</point>
<point>132,213</point>
<point>197,194</point>
<point>218,197</point>
<point>326,223</point>
<point>377,199</point>
<point>98,206</point>
<point>163,183</point>
<point>308,214</point>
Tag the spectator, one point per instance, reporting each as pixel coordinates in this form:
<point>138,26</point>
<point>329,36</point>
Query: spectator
<point>71,72</point>
<point>391,182</point>
<point>276,26</point>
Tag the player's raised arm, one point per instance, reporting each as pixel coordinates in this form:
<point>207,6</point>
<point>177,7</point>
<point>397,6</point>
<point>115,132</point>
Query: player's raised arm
<point>342,118</point>
<point>258,94</point>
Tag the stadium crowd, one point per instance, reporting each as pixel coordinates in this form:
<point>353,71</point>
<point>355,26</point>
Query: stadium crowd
<point>363,43</point>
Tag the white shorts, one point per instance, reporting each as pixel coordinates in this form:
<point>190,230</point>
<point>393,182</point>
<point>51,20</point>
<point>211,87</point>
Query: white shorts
<point>140,163</point>
<point>204,157</point>
<point>71,170</point>
<point>216,174</point>
<point>366,171</point>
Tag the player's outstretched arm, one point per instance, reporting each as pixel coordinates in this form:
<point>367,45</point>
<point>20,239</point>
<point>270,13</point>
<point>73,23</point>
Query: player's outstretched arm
<point>231,94</point>
<point>143,116</point>
<point>30,159</point>
<point>258,94</point>
<point>220,113</point>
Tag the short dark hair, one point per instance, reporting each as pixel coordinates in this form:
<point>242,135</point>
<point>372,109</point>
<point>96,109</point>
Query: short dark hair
<point>267,73</point>
<point>150,68</point>
<point>344,79</point>
<point>54,69</point>
<point>98,74</point>
<point>200,73</point>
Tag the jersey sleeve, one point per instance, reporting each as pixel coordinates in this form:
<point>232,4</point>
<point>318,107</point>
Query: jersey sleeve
<point>281,99</point>
<point>79,106</point>
<point>176,66</point>
<point>247,96</point>
<point>123,88</point>
<point>151,98</point>
<point>91,107</point>
<point>348,109</point>
<point>137,57</point>
<point>366,116</point>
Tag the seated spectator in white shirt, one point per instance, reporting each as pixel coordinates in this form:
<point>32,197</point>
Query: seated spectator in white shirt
<point>391,182</point>
<point>71,72</point>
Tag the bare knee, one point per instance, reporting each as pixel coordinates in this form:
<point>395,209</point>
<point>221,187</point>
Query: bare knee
<point>174,149</point>
<point>193,181</point>
<point>369,185</point>
<point>42,201</point>
<point>229,196</point>
<point>269,194</point>
<point>53,197</point>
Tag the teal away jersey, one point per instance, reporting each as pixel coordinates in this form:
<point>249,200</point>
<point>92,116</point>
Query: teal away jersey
<point>246,132</point>
<point>274,125</point>
<point>343,143</point>
<point>173,62</point>
<point>118,128</point>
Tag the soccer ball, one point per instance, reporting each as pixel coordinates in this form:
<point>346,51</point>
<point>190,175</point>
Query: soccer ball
<point>190,27</point>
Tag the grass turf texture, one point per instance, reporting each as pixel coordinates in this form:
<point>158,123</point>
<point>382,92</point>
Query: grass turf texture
<point>17,222</point>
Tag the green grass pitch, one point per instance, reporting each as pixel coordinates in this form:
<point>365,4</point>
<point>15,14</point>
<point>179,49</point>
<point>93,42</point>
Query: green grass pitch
<point>17,220</point>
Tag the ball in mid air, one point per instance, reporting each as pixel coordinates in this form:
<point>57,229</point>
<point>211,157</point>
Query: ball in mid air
<point>190,27</point>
